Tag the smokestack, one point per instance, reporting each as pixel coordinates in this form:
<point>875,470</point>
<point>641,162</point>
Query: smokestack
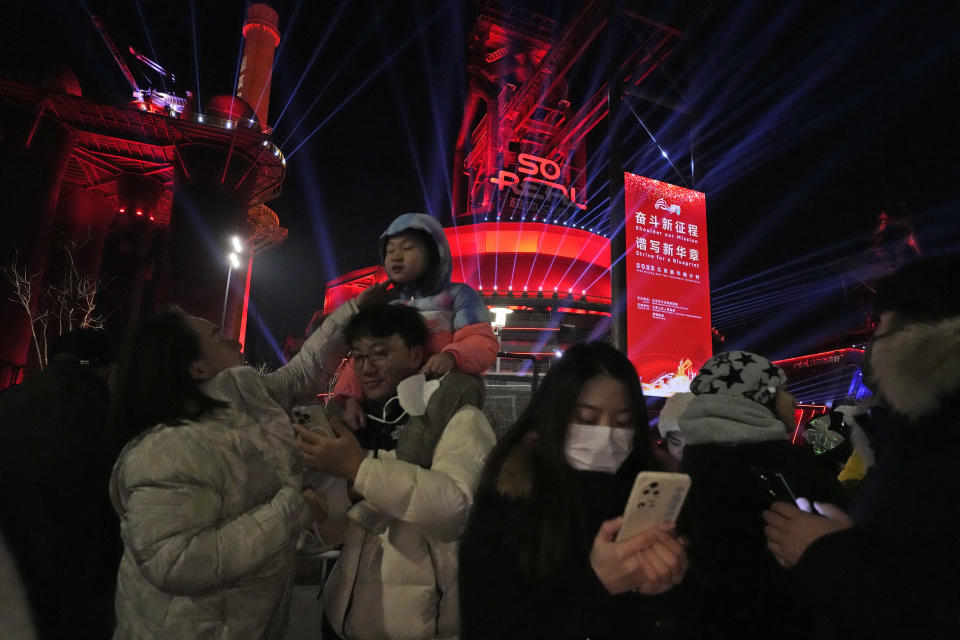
<point>261,35</point>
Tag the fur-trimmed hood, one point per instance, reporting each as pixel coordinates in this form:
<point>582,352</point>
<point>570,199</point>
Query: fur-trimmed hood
<point>515,479</point>
<point>916,368</point>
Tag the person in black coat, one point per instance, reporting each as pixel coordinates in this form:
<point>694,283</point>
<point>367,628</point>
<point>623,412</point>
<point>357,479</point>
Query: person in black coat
<point>891,567</point>
<point>54,506</point>
<point>736,430</point>
<point>538,558</point>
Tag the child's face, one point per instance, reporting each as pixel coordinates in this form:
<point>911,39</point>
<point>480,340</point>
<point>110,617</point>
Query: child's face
<point>406,258</point>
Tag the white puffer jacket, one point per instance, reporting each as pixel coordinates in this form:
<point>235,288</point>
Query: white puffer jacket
<point>209,532</point>
<point>211,510</point>
<point>397,574</point>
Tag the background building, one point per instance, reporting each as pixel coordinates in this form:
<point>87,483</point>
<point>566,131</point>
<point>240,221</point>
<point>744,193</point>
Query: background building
<point>116,210</point>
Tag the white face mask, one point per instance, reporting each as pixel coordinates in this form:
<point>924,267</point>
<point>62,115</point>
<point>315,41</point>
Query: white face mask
<point>598,448</point>
<point>414,393</point>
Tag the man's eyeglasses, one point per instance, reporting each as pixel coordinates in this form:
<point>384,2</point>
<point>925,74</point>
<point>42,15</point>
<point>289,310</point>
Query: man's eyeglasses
<point>377,357</point>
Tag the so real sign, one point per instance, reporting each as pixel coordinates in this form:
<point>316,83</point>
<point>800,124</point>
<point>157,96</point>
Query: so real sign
<point>527,183</point>
<point>668,283</point>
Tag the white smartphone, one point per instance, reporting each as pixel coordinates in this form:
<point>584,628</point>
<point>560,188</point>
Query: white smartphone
<point>313,417</point>
<point>656,498</point>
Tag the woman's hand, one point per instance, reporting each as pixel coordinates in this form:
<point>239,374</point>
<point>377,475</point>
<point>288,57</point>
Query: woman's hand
<point>790,530</point>
<point>648,563</point>
<point>377,294</point>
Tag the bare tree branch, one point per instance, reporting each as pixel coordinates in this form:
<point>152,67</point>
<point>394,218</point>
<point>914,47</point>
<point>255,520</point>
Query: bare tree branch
<point>66,301</point>
<point>22,284</point>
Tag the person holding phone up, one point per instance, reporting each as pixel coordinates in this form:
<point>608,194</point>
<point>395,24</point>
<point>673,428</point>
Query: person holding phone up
<point>539,556</point>
<point>739,455</point>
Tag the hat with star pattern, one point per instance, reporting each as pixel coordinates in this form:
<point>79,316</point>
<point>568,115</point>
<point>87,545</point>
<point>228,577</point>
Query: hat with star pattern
<point>741,374</point>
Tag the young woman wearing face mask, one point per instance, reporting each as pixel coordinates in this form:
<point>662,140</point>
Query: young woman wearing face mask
<point>539,557</point>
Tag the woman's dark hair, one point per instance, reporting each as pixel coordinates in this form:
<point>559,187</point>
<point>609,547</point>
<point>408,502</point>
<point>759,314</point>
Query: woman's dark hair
<point>551,516</point>
<point>385,320</point>
<point>153,383</point>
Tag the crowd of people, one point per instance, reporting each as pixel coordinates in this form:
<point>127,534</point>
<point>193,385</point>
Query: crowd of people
<point>444,531</point>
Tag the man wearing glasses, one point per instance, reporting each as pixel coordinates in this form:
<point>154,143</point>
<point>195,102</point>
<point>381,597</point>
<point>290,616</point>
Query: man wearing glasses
<point>407,482</point>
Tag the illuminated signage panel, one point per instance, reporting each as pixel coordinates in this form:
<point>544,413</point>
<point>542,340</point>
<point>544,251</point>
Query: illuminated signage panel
<point>668,283</point>
<point>536,187</point>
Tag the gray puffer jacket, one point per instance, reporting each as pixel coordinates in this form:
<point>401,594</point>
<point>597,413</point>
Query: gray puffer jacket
<point>209,531</point>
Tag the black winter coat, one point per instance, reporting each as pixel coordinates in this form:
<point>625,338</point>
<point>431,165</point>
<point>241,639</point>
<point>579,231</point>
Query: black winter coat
<point>498,602</point>
<point>55,508</point>
<point>897,572</point>
<point>741,591</point>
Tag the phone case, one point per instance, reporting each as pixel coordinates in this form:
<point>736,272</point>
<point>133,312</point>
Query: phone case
<point>313,417</point>
<point>657,497</point>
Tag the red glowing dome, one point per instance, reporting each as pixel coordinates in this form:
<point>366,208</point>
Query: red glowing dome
<point>231,108</point>
<point>62,79</point>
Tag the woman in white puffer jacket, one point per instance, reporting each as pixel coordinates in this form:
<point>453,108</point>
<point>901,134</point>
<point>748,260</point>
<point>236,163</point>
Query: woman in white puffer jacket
<point>206,488</point>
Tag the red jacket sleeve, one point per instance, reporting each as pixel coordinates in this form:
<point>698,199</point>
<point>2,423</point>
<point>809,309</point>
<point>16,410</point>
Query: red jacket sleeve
<point>347,385</point>
<point>474,347</point>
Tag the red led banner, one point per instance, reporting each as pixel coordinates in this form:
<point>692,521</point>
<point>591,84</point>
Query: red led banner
<point>668,283</point>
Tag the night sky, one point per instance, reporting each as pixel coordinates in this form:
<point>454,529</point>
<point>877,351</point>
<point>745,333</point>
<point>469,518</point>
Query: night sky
<point>804,120</point>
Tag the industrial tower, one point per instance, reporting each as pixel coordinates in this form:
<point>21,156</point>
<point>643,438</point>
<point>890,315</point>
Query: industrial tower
<point>152,190</point>
<point>525,231</point>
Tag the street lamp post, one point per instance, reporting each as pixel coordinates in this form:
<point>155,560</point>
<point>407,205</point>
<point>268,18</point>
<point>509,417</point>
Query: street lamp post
<point>233,263</point>
<point>499,322</point>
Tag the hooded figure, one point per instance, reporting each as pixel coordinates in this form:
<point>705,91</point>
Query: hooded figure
<point>738,421</point>
<point>890,568</point>
<point>416,257</point>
